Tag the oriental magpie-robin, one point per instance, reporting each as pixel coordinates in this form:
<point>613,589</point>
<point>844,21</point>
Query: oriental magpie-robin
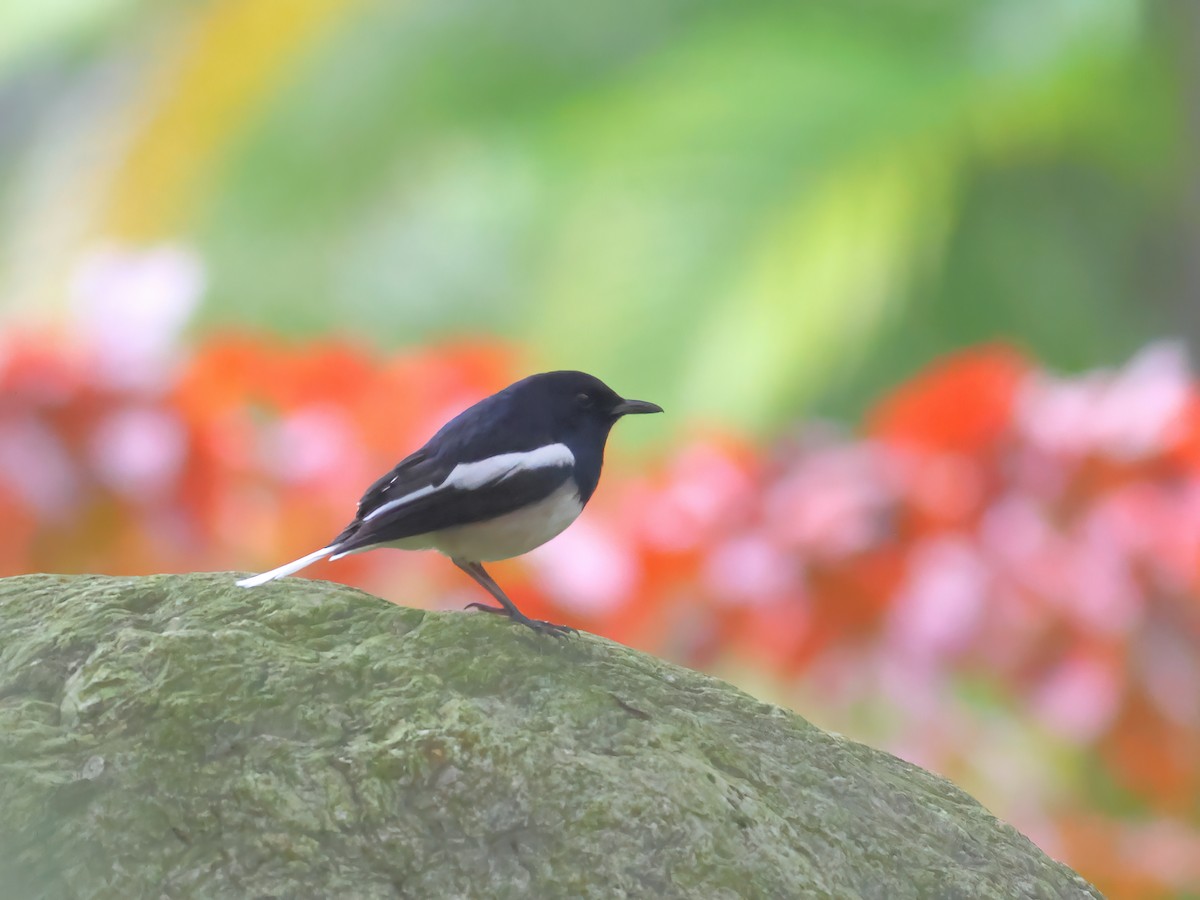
<point>497,480</point>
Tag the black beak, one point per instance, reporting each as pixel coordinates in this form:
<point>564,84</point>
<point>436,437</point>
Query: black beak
<point>635,408</point>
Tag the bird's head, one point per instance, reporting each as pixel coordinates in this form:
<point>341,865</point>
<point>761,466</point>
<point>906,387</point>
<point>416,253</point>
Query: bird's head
<point>578,408</point>
<point>582,403</point>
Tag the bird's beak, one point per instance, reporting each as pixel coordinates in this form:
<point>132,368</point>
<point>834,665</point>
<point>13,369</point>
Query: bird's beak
<point>635,408</point>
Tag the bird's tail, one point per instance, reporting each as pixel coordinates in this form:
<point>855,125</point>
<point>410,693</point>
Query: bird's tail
<point>288,568</point>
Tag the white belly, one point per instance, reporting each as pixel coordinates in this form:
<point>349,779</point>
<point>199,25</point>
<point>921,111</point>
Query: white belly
<point>505,536</point>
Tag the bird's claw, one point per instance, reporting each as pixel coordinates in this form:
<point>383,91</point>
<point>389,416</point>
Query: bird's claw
<point>538,625</point>
<point>486,608</point>
<point>543,627</point>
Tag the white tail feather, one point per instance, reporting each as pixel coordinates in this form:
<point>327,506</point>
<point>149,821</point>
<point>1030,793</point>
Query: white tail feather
<point>287,568</point>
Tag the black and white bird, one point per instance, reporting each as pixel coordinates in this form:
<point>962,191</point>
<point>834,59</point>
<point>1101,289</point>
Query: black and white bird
<point>500,478</point>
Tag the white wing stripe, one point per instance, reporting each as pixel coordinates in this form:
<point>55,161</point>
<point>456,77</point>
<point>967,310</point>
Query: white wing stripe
<point>496,468</point>
<point>407,498</point>
<point>468,476</point>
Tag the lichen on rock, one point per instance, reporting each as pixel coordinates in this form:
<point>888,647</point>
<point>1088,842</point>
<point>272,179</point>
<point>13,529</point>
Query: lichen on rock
<point>179,736</point>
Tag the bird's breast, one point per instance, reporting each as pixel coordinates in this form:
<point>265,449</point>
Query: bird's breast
<point>514,533</point>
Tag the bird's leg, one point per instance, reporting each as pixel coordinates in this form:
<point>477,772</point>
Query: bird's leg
<point>507,607</point>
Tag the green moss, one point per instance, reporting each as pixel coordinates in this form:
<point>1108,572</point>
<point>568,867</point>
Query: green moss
<point>180,736</point>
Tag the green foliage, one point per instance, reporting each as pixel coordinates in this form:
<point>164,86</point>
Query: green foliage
<point>757,208</point>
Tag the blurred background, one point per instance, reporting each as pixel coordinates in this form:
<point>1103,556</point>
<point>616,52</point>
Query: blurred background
<point>917,283</point>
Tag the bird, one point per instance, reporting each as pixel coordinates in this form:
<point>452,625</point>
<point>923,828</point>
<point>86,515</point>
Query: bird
<point>499,479</point>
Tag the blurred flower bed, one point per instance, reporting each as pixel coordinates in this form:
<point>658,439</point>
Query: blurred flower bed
<point>996,578</point>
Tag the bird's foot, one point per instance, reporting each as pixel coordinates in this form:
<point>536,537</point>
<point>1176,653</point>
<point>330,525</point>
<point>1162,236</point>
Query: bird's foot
<point>538,625</point>
<point>492,609</point>
<point>541,626</point>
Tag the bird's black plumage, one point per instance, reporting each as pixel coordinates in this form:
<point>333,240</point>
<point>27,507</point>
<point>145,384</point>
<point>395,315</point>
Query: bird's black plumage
<point>500,478</point>
<point>448,508</point>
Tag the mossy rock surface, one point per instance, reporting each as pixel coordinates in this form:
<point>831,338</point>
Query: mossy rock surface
<point>177,736</point>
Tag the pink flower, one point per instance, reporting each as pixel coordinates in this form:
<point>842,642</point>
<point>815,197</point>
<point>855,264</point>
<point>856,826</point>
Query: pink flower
<point>317,442</point>
<point>705,489</point>
<point>1079,699</point>
<point>1127,415</point>
<point>587,569</point>
<point>133,305</point>
<point>833,502</point>
<point>36,466</point>
<point>139,452</point>
<point>1170,670</point>
<point>940,607</point>
<point>751,571</point>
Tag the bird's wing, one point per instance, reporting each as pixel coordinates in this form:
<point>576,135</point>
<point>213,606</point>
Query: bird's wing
<point>421,496</point>
<point>490,428</point>
<point>411,473</point>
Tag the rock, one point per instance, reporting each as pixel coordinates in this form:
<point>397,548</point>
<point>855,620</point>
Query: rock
<point>177,736</point>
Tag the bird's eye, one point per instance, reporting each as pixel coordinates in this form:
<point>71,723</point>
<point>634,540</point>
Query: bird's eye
<point>584,401</point>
